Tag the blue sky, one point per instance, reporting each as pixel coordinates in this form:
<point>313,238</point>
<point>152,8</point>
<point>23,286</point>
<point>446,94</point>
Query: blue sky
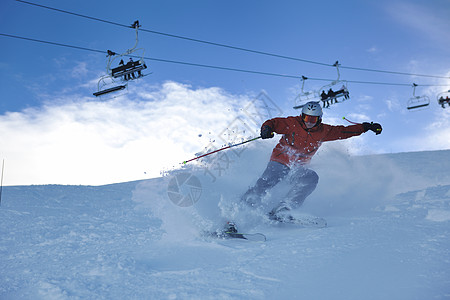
<point>57,132</point>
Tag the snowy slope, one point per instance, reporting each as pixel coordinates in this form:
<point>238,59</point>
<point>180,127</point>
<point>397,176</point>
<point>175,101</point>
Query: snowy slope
<point>388,235</point>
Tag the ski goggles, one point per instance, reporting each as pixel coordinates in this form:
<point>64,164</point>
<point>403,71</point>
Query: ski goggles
<point>310,119</point>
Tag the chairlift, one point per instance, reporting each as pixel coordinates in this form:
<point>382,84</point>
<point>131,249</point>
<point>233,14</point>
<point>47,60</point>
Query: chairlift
<point>124,72</point>
<point>337,89</point>
<point>328,94</point>
<point>444,98</point>
<point>305,97</point>
<point>417,101</point>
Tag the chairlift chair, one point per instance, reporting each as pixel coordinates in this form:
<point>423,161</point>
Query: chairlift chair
<point>335,90</point>
<point>107,85</point>
<point>125,71</point>
<point>305,97</point>
<point>444,98</point>
<point>417,101</point>
<point>110,90</point>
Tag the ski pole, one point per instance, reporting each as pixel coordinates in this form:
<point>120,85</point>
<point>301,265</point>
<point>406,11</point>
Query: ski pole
<point>228,147</point>
<point>350,121</point>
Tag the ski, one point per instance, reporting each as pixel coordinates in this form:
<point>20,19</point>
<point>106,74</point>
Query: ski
<point>304,221</point>
<point>253,237</point>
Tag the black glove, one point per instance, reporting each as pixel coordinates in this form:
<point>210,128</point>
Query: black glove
<point>266,132</point>
<point>375,127</point>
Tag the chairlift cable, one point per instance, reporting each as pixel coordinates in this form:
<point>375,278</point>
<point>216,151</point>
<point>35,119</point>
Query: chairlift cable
<point>371,82</point>
<point>233,47</point>
<point>52,43</point>
<point>208,66</point>
<point>176,36</point>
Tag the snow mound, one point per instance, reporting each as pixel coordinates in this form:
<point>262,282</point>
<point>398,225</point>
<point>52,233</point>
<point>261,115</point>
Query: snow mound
<point>388,235</point>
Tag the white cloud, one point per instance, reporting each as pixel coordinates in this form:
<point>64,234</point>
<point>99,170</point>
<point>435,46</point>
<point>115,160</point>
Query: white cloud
<point>372,49</point>
<point>92,142</point>
<point>433,136</point>
<point>73,140</point>
<point>393,104</point>
<point>438,132</point>
<point>80,70</point>
<point>359,117</point>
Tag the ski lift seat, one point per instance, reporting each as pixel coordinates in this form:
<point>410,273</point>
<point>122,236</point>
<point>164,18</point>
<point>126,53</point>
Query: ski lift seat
<point>130,67</point>
<point>338,94</point>
<point>418,102</point>
<point>109,90</point>
<point>444,98</point>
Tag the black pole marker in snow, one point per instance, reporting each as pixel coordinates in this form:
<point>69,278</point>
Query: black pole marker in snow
<point>1,182</point>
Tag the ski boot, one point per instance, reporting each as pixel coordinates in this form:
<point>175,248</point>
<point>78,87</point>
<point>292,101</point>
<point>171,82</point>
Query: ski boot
<point>230,230</point>
<point>230,227</point>
<point>281,214</point>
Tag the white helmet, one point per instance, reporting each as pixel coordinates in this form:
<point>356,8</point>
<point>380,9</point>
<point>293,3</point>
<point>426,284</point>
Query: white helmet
<point>312,109</point>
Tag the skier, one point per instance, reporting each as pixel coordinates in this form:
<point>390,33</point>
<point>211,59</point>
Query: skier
<point>302,137</point>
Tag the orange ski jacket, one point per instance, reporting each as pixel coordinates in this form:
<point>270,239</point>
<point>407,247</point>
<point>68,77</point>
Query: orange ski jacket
<point>298,143</point>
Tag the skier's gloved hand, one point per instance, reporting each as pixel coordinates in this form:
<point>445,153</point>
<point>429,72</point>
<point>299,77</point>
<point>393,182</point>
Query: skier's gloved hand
<point>266,132</point>
<point>375,127</point>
